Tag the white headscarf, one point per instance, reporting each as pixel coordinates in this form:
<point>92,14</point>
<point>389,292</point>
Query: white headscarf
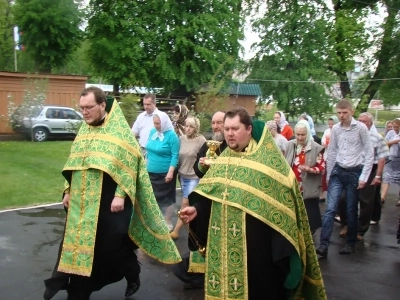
<point>166,125</point>
<point>282,122</point>
<point>309,138</point>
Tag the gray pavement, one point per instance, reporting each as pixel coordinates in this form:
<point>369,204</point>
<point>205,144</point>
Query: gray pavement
<point>29,241</point>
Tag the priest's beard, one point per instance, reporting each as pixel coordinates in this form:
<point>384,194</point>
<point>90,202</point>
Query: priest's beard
<point>218,136</point>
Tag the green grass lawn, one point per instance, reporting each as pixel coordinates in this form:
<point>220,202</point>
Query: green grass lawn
<point>31,172</point>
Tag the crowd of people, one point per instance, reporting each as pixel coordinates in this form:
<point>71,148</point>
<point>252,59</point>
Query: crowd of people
<point>120,195</point>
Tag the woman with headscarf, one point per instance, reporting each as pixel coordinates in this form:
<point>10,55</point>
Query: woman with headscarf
<point>190,144</point>
<point>307,162</point>
<point>278,138</point>
<point>310,121</point>
<point>325,143</point>
<point>286,130</point>
<point>181,112</point>
<point>162,159</point>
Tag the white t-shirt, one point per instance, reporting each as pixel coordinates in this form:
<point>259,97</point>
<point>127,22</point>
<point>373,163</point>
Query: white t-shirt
<point>142,126</point>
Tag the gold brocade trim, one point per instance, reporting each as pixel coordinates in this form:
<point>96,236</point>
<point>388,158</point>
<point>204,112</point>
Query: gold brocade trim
<point>102,155</point>
<point>113,140</point>
<point>77,270</point>
<point>245,275</point>
<point>314,281</point>
<point>195,267</point>
<point>274,226</point>
<point>285,180</point>
<point>119,195</point>
<point>249,189</point>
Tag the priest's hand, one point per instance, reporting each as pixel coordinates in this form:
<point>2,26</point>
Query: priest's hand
<point>202,162</point>
<point>188,214</point>
<point>66,200</point>
<point>117,204</point>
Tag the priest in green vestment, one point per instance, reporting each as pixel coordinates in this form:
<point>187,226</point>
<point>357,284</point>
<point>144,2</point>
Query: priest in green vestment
<point>249,220</point>
<point>111,208</point>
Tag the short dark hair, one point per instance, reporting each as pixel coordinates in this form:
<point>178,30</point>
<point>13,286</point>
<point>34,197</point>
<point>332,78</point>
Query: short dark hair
<point>151,96</point>
<point>344,104</point>
<point>99,95</point>
<point>244,116</point>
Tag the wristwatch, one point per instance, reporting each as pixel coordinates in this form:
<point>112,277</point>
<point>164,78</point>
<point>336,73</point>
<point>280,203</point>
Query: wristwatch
<point>377,176</point>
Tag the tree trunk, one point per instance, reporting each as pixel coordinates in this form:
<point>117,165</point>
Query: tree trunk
<point>384,56</point>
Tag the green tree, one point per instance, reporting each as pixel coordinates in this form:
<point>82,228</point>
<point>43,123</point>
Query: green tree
<point>386,56</point>
<point>169,44</point>
<point>6,36</point>
<point>290,58</point>
<point>50,31</point>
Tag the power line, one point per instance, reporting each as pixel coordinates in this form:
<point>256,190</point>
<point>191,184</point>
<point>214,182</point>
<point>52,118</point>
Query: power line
<point>319,81</point>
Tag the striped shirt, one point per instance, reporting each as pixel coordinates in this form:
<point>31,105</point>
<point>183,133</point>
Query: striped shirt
<point>347,146</point>
<point>381,150</point>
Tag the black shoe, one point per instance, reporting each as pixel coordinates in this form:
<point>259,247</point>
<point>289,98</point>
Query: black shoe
<point>347,250</point>
<point>132,287</point>
<point>322,251</point>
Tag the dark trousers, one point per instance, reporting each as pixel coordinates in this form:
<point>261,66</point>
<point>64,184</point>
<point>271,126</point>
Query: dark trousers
<point>341,179</point>
<point>366,198</point>
<point>376,214</point>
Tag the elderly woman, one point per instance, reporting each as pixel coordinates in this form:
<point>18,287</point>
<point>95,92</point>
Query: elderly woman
<point>181,112</point>
<point>388,127</point>
<point>310,121</point>
<point>391,172</point>
<point>278,138</point>
<point>162,159</point>
<point>286,130</point>
<point>190,144</point>
<point>307,162</point>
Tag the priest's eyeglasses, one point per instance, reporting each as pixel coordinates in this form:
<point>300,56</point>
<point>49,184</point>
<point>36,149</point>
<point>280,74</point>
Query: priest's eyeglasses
<point>87,108</point>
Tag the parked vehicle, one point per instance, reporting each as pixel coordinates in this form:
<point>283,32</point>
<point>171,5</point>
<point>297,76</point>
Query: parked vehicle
<point>46,121</point>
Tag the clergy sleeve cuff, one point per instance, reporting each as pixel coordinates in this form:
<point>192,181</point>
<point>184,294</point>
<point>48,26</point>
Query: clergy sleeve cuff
<point>119,192</point>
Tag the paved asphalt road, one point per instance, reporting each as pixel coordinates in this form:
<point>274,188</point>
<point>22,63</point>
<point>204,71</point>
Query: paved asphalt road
<point>29,242</point>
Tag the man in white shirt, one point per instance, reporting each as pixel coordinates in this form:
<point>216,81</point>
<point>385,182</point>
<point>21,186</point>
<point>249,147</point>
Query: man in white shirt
<point>144,122</point>
<point>349,163</point>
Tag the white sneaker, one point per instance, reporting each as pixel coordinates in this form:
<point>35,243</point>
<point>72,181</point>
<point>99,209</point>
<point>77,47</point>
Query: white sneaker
<point>373,223</point>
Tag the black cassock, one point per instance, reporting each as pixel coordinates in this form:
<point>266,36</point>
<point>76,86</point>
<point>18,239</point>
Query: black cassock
<point>268,253</point>
<point>114,256</point>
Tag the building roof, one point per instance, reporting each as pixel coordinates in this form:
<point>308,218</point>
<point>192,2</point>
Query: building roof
<point>243,89</point>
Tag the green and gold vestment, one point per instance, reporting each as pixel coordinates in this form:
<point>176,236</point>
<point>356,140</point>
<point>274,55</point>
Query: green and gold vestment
<point>258,182</point>
<point>110,148</point>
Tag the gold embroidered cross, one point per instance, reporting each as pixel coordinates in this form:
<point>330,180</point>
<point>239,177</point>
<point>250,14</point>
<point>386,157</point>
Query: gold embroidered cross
<point>215,227</point>
<point>213,282</point>
<point>225,194</point>
<point>235,284</point>
<point>234,230</point>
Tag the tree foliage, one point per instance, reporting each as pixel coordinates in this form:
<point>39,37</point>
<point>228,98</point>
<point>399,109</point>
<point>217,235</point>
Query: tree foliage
<point>6,36</point>
<point>50,30</point>
<point>290,57</point>
<point>315,40</point>
<point>175,45</point>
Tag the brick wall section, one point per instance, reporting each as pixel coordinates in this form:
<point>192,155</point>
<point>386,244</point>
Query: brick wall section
<point>61,90</point>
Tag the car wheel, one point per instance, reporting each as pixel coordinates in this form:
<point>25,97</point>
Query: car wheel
<point>40,134</point>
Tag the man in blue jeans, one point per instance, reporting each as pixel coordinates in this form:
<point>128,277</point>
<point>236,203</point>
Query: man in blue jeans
<point>345,170</point>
